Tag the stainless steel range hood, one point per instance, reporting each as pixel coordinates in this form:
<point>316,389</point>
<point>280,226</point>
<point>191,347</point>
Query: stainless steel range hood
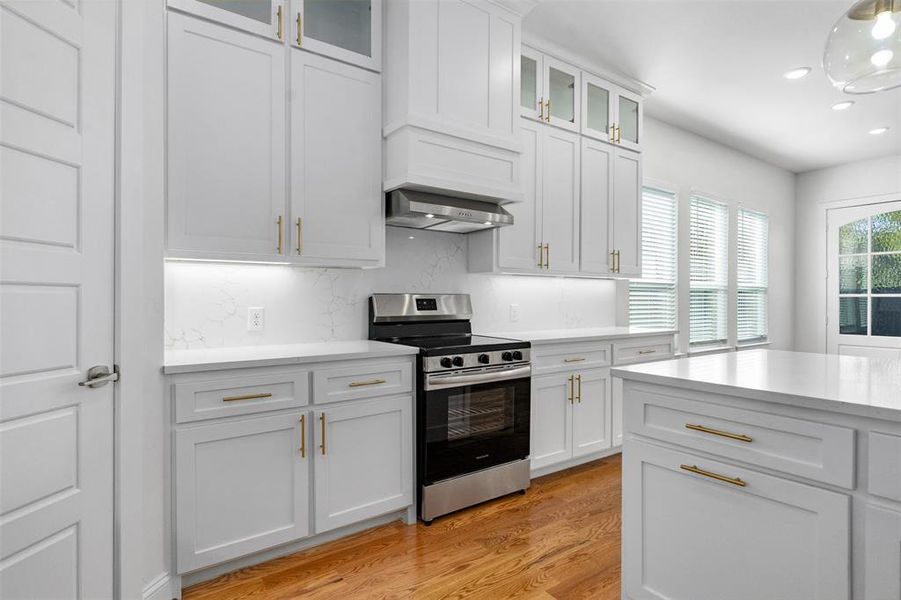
<point>424,210</point>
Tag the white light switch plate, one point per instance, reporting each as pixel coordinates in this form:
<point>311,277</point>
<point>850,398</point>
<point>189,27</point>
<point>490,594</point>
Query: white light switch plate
<point>514,313</point>
<point>255,316</point>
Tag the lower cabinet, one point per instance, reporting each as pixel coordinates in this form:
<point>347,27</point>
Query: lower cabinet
<point>699,529</point>
<point>363,465</point>
<point>242,486</point>
<point>882,553</point>
<point>570,416</point>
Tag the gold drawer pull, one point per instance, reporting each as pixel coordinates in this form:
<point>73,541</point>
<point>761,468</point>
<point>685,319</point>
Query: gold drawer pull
<point>643,352</point>
<point>574,359</point>
<point>247,397</point>
<point>579,393</point>
<point>732,436</point>
<point>572,389</point>
<point>322,424</point>
<point>303,436</point>
<point>354,384</point>
<point>695,469</point>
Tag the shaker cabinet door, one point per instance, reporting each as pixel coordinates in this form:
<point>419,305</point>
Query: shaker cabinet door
<point>597,192</point>
<point>591,412</point>
<point>518,244</point>
<point>698,529</point>
<point>551,419</point>
<point>266,18</point>
<point>337,211</point>
<point>349,30</point>
<point>625,218</point>
<point>226,143</point>
<point>560,179</point>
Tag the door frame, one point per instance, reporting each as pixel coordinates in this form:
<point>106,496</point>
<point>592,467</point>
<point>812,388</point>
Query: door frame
<point>839,205</point>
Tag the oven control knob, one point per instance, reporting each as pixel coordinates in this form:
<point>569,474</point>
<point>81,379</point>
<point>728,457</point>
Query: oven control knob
<point>507,356</point>
<point>517,355</point>
<point>484,359</point>
<point>458,361</point>
<point>446,362</point>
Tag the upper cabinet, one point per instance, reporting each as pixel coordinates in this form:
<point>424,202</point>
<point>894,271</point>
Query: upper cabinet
<point>349,30</point>
<point>262,17</point>
<point>452,97</point>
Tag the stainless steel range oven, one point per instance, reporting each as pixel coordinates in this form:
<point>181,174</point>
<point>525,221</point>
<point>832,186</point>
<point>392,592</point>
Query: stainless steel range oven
<point>473,401</point>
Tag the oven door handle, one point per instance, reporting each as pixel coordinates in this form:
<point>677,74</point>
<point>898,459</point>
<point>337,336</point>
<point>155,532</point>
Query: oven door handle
<point>443,381</point>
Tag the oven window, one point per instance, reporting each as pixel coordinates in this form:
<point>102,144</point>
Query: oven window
<point>482,413</point>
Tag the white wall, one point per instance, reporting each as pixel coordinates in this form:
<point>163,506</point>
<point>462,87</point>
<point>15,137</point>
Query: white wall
<point>816,190</point>
<point>206,303</point>
<point>688,162</point>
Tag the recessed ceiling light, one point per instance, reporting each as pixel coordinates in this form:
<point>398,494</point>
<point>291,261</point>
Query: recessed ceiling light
<point>411,238</point>
<point>878,131</point>
<point>797,73</point>
<point>843,105</point>
<point>882,58</point>
<point>487,223</point>
<point>430,216</point>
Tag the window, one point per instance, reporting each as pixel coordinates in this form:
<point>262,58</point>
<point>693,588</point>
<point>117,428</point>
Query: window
<point>652,299</point>
<point>708,270</point>
<point>753,242</point>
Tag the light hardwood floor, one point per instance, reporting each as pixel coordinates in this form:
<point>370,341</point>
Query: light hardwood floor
<point>559,541</point>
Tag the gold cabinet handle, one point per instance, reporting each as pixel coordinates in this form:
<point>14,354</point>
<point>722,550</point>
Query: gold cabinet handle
<point>618,264</point>
<point>299,235</point>
<point>303,436</point>
<point>613,261</point>
<point>279,15</point>
<point>643,352</point>
<point>574,359</point>
<point>246,397</point>
<point>299,29</point>
<point>280,225</point>
<point>579,393</point>
<point>541,109</point>
<point>619,134</point>
<point>540,256</point>
<point>547,256</point>
<point>322,424</point>
<point>355,384</point>
<point>547,116</point>
<point>612,130</point>
<point>698,471</point>
<point>732,436</point>
<point>572,389</point>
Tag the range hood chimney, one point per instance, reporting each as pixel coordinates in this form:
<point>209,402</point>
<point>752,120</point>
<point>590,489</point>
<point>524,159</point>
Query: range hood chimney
<point>425,210</point>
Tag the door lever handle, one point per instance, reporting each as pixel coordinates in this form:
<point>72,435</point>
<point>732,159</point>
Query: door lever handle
<point>99,376</point>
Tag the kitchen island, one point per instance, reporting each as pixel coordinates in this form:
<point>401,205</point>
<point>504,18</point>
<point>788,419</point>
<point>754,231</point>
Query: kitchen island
<point>762,475</point>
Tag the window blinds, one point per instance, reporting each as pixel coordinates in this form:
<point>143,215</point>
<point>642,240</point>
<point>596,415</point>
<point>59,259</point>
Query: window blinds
<point>753,241</point>
<point>709,268</point>
<point>652,299</point>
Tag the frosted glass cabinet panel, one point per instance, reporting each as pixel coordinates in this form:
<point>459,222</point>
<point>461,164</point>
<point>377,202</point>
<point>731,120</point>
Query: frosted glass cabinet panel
<point>348,30</point>
<point>561,82</point>
<point>598,104</point>
<point>262,17</point>
<point>628,120</point>
<point>531,95</point>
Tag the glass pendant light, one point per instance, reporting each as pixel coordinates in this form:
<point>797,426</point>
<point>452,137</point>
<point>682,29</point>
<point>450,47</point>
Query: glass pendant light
<point>863,52</point>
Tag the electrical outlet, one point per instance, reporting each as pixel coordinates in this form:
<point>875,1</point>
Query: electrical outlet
<point>255,318</point>
<point>514,313</point>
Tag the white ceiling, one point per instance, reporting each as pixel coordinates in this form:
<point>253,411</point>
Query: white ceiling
<point>717,68</point>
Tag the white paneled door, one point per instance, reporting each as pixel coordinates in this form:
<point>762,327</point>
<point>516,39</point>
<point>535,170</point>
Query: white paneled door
<point>57,108</point>
<point>864,280</point>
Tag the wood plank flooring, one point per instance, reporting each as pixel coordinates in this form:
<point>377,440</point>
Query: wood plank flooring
<point>559,541</point>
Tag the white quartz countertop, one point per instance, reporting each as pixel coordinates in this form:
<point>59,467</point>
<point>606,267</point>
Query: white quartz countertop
<point>215,359</point>
<point>547,336</point>
<point>868,387</point>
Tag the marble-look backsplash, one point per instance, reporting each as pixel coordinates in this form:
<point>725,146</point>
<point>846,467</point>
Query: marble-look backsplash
<point>206,303</point>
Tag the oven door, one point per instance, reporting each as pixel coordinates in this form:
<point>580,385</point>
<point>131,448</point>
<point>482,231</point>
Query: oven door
<point>474,419</point>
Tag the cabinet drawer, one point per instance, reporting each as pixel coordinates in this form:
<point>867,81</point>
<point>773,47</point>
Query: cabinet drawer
<point>362,380</point>
<point>884,465</point>
<point>569,357</point>
<point>642,350</point>
<point>804,448</point>
<point>230,396</point>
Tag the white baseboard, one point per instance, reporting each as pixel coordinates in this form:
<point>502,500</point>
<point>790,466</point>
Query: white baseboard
<point>575,462</point>
<point>162,587</point>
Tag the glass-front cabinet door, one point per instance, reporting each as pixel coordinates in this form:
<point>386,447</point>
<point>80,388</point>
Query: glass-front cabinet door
<point>262,17</point>
<point>348,30</point>
<point>597,108</point>
<point>531,97</point>
<point>628,120</point>
<point>562,95</point>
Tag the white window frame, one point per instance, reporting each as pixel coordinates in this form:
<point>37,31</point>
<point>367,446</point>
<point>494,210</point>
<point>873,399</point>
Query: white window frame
<point>666,188</point>
<point>730,287</point>
<point>766,287</point>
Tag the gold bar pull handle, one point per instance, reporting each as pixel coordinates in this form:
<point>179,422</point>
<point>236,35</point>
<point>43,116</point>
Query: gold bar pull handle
<point>280,22</point>
<point>303,436</point>
<point>579,393</point>
<point>572,389</point>
<point>732,436</point>
<point>540,256</point>
<point>322,425</point>
<point>541,109</point>
<point>618,264</point>
<point>613,261</point>
<point>246,397</point>
<point>573,359</point>
<point>547,256</point>
<point>356,384</point>
<point>612,131</point>
<point>280,224</point>
<point>299,29</point>
<point>698,471</point>
<point>547,110</point>
<point>644,352</point>
<point>619,134</point>
<point>299,235</point>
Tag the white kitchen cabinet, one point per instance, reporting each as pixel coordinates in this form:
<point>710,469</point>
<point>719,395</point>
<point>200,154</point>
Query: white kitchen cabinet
<point>570,416</point>
<point>337,208</point>
<point>452,84</point>
<point>531,95</point>
<point>349,30</point>
<point>628,119</point>
<point>883,552</point>
<point>242,486</point>
<point>562,88</point>
<point>561,173</point>
<point>226,143</point>
<point>625,216</point>
<point>363,465</point>
<point>519,247</point>
<point>701,529</point>
<point>596,224</point>
<point>598,108</point>
<point>266,18</point>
